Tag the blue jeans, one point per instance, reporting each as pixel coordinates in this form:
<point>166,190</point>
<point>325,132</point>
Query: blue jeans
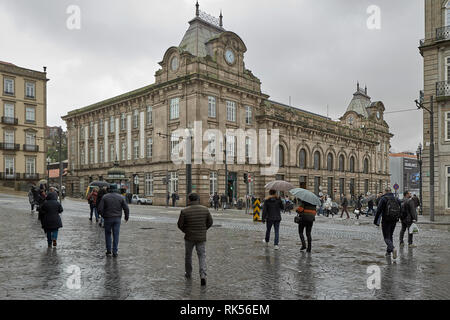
<point>112,225</point>
<point>94,210</point>
<point>388,233</point>
<point>52,235</point>
<point>276,226</point>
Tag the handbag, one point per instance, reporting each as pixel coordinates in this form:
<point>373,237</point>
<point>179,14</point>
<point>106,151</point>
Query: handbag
<point>298,219</point>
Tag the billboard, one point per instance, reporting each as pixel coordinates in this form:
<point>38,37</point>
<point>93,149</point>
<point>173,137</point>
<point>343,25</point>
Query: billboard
<point>411,174</point>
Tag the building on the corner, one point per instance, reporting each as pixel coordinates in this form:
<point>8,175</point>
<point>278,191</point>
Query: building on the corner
<point>405,172</point>
<point>23,99</point>
<point>204,79</point>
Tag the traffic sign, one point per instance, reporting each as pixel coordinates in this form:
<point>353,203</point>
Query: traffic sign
<point>256,210</point>
<point>396,187</point>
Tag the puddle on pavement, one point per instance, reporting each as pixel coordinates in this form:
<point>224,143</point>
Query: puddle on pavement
<point>329,246</point>
<point>439,227</point>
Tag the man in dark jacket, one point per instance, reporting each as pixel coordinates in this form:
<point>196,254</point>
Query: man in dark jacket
<point>110,209</point>
<point>272,215</point>
<point>344,206</point>
<point>216,201</point>
<point>387,223</point>
<point>194,221</point>
<point>174,199</point>
<point>50,219</point>
<point>409,215</point>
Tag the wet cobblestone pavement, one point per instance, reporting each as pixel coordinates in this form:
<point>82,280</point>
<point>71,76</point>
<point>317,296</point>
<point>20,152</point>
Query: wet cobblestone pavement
<point>151,259</point>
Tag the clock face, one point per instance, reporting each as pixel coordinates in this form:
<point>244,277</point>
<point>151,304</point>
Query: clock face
<point>229,56</point>
<point>174,63</point>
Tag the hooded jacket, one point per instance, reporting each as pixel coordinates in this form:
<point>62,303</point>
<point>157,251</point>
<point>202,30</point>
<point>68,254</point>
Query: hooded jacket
<point>49,213</point>
<point>272,209</point>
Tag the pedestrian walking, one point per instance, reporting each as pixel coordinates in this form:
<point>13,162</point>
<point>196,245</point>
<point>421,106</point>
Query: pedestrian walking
<point>194,221</point>
<point>407,218</point>
<point>63,192</point>
<point>370,204</point>
<point>100,195</point>
<point>272,215</point>
<point>358,206</point>
<point>344,205</point>
<point>92,200</point>
<point>306,213</point>
<point>168,199</point>
<point>31,195</point>
<point>49,214</point>
<point>328,206</point>
<point>223,201</point>
<point>110,208</point>
<point>216,201</point>
<point>389,209</point>
<point>174,199</point>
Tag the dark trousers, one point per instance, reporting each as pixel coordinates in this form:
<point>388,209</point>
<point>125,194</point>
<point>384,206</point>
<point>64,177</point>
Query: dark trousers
<point>405,227</point>
<point>112,225</point>
<point>93,210</point>
<point>344,209</point>
<point>308,226</point>
<point>32,206</point>
<point>216,205</point>
<point>388,233</point>
<point>370,210</point>
<point>276,226</point>
<point>173,202</point>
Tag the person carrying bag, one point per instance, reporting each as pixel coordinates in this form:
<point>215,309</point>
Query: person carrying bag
<point>306,215</point>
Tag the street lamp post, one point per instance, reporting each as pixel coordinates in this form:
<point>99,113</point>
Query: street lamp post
<point>420,105</point>
<point>419,161</point>
<point>48,170</point>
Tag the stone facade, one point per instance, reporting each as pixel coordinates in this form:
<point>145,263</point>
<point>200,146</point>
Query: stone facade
<point>204,79</point>
<point>23,99</point>
<point>435,49</point>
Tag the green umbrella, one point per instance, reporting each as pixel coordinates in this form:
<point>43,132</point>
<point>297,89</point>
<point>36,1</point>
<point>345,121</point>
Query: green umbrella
<point>306,196</point>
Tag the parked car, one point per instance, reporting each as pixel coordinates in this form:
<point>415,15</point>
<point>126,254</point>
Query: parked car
<point>138,200</point>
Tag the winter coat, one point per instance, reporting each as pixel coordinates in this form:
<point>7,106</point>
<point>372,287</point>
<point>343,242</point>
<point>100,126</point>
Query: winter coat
<point>408,211</point>
<point>49,213</point>
<point>345,202</point>
<point>92,198</point>
<point>381,208</point>
<point>216,198</point>
<point>272,209</point>
<point>111,206</point>
<point>194,221</point>
<point>307,212</point>
<point>100,195</point>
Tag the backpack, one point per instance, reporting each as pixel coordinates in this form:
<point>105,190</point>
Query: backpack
<point>393,210</point>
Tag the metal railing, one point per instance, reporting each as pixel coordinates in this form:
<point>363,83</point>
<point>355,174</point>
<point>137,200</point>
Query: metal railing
<point>31,176</point>
<point>443,33</point>
<point>9,176</point>
<point>9,120</point>
<point>31,147</point>
<point>442,88</point>
<point>9,146</point>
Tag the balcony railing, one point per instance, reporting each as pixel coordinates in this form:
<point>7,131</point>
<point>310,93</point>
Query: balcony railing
<point>31,176</point>
<point>442,88</point>
<point>9,120</point>
<point>9,146</point>
<point>9,176</point>
<point>30,147</point>
<point>443,33</point>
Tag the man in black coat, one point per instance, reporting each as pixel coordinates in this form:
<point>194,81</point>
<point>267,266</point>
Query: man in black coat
<point>387,223</point>
<point>272,215</point>
<point>216,201</point>
<point>408,217</point>
<point>194,222</point>
<point>50,219</point>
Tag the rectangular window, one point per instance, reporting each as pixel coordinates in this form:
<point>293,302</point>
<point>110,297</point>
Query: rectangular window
<point>231,111</point>
<point>149,147</point>
<point>174,144</point>
<point>112,154</point>
<point>30,138</point>
<point>124,151</point>
<point>111,124</point>
<point>9,166</point>
<point>100,127</point>
<point>316,185</point>
<point>366,186</point>
<point>91,155</point>
<point>248,115</point>
<point>91,129</point>
<point>341,186</point>
<point>212,182</point>
<point>30,114</point>
<point>447,126</point>
<point>302,182</point>
<point>101,153</point>
<point>30,90</point>
<point>9,136</point>
<point>231,146</point>
<point>448,188</point>
<point>30,165</point>
<point>330,187</point>
<point>123,123</point>
<point>248,146</point>
<point>149,115</point>
<point>174,108</point>
<point>211,107</point>
<point>173,182</point>
<point>352,186</point>
<point>135,118</point>
<point>136,150</point>
<point>9,110</point>
<point>82,156</point>
<point>8,85</point>
<point>81,133</point>
<point>149,184</point>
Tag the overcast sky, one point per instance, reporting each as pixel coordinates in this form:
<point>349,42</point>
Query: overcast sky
<point>311,50</point>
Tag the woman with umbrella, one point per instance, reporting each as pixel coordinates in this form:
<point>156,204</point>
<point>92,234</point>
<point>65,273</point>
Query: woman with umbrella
<point>306,214</point>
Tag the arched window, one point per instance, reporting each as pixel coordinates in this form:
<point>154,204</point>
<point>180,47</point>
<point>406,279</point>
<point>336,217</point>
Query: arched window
<point>352,164</point>
<point>281,156</point>
<point>341,163</point>
<point>302,157</point>
<point>366,165</point>
<point>317,160</point>
<point>330,159</point>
